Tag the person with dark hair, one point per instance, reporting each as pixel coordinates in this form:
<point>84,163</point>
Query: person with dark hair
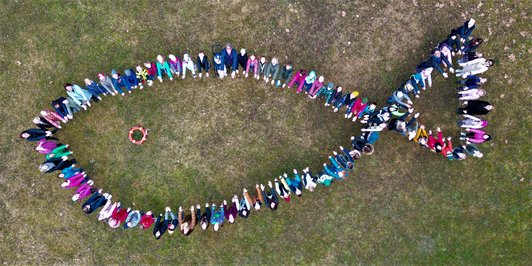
<point>474,67</point>
<point>186,222</point>
<point>152,71</point>
<point>471,46</point>
<point>242,59</point>
<point>436,144</point>
<point>282,190</point>
<point>173,221</point>
<point>473,150</point>
<point>219,66</point>
<point>79,96</point>
<point>346,160</point>
<point>470,56</point>
<point>473,135</point>
<point>202,63</point>
<point>64,108</point>
<point>252,66</point>
<point>160,227</point>
<point>146,220</point>
<point>231,212</point>
<point>270,197</point>
<point>205,217</point>
<point>308,180</point>
<point>299,79</point>
<point>475,107</point>
<point>96,201</point>
<point>35,134</point>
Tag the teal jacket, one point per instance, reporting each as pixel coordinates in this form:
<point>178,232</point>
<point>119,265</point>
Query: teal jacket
<point>164,66</point>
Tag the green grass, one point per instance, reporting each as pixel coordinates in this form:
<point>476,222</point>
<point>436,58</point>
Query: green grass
<point>209,139</point>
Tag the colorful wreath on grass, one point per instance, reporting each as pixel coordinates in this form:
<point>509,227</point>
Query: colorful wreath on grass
<point>393,116</point>
<point>137,135</point>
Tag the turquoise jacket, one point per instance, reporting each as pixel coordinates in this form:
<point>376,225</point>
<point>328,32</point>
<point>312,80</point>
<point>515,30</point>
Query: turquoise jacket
<point>79,95</point>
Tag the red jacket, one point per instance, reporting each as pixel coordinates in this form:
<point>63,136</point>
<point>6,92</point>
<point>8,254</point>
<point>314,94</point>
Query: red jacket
<point>432,141</point>
<point>152,71</point>
<point>146,221</point>
<point>119,214</point>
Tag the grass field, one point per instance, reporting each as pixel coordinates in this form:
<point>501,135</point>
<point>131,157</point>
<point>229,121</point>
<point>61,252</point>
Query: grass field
<point>209,139</point>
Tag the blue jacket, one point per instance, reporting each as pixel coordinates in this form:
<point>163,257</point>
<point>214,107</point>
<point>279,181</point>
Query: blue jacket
<point>120,82</point>
<point>96,89</point>
<point>131,77</point>
<point>218,62</point>
<point>230,59</point>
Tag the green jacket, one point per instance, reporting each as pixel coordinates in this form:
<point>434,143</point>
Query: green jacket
<point>286,74</point>
<point>272,71</point>
<point>326,91</point>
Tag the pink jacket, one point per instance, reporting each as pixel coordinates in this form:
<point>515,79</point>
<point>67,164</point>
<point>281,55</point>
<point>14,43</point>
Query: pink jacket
<point>299,78</point>
<point>75,180</point>
<point>45,146</point>
<point>254,64</point>
<point>315,87</point>
<point>84,191</point>
<point>53,118</point>
<point>478,137</point>
<point>358,107</point>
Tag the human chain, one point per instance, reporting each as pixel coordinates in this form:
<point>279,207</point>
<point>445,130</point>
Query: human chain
<point>228,62</point>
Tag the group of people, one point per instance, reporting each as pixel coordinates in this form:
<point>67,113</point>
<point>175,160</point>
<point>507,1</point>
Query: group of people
<point>472,63</point>
<point>228,62</point>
